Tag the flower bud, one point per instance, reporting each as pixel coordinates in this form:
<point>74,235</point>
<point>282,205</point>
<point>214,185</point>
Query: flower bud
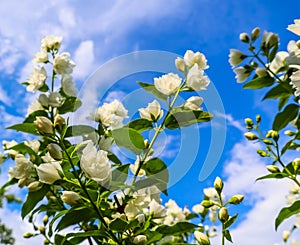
<point>261,72</point>
<point>223,214</point>
<point>244,37</point>
<point>251,136</point>
<point>45,219</point>
<point>140,240</point>
<point>268,142</point>
<point>273,169</point>
<point>249,123</point>
<point>298,44</point>
<point>44,125</point>
<point>296,163</point>
<point>28,235</point>
<point>34,186</point>
<point>258,118</point>
<point>207,203</point>
<point>273,134</point>
<point>180,64</point>
<point>55,151</point>
<point>42,229</point>
<point>262,153</point>
<point>46,241</point>
<point>289,133</point>
<point>285,235</point>
<point>236,199</point>
<point>218,185</point>
<point>70,197</point>
<point>254,64</point>
<point>255,33</point>
<point>59,122</point>
<point>201,238</point>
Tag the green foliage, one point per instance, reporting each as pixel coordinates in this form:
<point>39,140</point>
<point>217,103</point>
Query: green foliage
<point>287,212</point>
<point>151,89</point>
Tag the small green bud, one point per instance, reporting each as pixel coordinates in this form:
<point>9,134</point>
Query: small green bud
<point>45,219</point>
<point>273,169</point>
<point>285,235</point>
<point>298,44</point>
<point>207,203</point>
<point>258,118</point>
<point>59,122</point>
<point>223,214</point>
<point>262,153</point>
<point>251,136</point>
<point>201,238</point>
<point>46,241</point>
<point>249,122</point>
<point>34,186</point>
<point>296,163</point>
<point>236,199</point>
<point>27,235</point>
<point>255,33</point>
<point>42,229</point>
<point>289,133</point>
<point>218,185</point>
<point>272,134</point>
<point>268,142</point>
<point>55,151</point>
<point>244,37</point>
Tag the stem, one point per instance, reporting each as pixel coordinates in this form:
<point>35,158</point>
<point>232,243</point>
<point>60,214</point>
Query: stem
<point>223,237</point>
<point>98,211</point>
<point>157,132</point>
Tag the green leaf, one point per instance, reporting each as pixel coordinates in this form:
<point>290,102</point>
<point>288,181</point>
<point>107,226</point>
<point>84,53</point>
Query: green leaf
<point>60,240</point>
<point>287,146</point>
<point>140,124</point>
<point>119,176</point>
<point>25,128</point>
<point>273,53</point>
<point>111,156</point>
<point>283,118</point>
<point>78,130</point>
<point>230,221</point>
<point>157,169</point>
<point>151,89</point>
<point>227,235</point>
<point>129,138</point>
<point>32,199</point>
<point>279,91</point>
<point>31,117</point>
<point>274,176</point>
<point>23,149</point>
<point>287,212</point>
<point>259,82</point>
<point>92,233</point>
<point>74,216</point>
<point>282,102</point>
<point>71,104</point>
<point>180,117</point>
<point>118,225</point>
<point>177,229</point>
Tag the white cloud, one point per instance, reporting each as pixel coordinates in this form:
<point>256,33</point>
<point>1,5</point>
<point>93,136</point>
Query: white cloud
<point>266,197</point>
<point>84,59</point>
<point>4,97</point>
<point>231,121</point>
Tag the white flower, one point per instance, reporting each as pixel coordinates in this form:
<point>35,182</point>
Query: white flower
<point>95,164</point>
<point>23,168</point>
<point>156,210</point>
<point>51,42</point>
<point>49,172</point>
<point>7,145</point>
<point>202,238</point>
<point>33,144</point>
<point>111,114</point>
<point>134,167</point>
<point>35,106</point>
<point>68,85</point>
<point>236,57</point>
<point>70,197</point>
<point>241,74</point>
<point>191,58</point>
<point>295,28</point>
<point>62,63</point>
<point>180,64</point>
<point>53,99</point>
<point>44,125</point>
<point>168,84</point>
<point>198,208</point>
<point>174,213</point>
<point>269,39</point>
<point>140,240</point>
<point>193,103</point>
<point>196,78</point>
<point>278,62</point>
<point>36,79</point>
<point>41,56</point>
<point>152,112</point>
<point>295,81</point>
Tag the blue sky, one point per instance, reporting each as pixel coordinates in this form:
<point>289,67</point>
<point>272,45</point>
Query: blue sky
<point>95,32</point>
